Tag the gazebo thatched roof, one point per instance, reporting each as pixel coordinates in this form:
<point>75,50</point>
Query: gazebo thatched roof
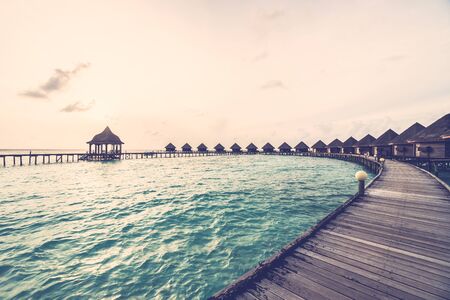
<point>268,146</point>
<point>366,141</point>
<point>439,131</point>
<point>319,144</point>
<point>350,142</point>
<point>186,146</point>
<point>202,146</point>
<point>170,145</point>
<point>335,144</point>
<point>219,147</point>
<point>285,146</point>
<point>106,137</point>
<point>407,134</point>
<point>251,146</point>
<point>301,145</point>
<point>385,138</point>
<point>235,147</point>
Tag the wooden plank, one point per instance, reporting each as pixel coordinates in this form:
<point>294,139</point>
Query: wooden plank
<point>303,286</point>
<point>274,291</point>
<point>393,249</point>
<point>397,233</point>
<point>389,256</point>
<point>435,232</point>
<point>397,274</point>
<point>356,275</point>
<point>396,240</point>
<point>341,285</point>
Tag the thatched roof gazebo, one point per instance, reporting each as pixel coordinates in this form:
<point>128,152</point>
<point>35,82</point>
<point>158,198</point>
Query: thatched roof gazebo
<point>235,148</point>
<point>186,148</point>
<point>365,145</point>
<point>251,148</point>
<point>348,147</point>
<point>319,147</point>
<point>170,147</point>
<point>383,146</point>
<point>285,148</point>
<point>434,141</point>
<point>219,148</point>
<point>400,143</point>
<point>104,139</point>
<point>335,146</point>
<point>301,147</point>
<point>202,148</point>
<point>268,148</point>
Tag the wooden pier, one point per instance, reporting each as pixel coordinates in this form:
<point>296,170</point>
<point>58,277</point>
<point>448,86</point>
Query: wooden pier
<point>391,243</point>
<point>49,158</point>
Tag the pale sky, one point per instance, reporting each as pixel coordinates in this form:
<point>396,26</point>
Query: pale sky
<point>219,71</point>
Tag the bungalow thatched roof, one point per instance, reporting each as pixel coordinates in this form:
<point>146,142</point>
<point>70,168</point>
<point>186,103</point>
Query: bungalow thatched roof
<point>285,146</point>
<point>366,141</point>
<point>170,146</point>
<point>219,147</point>
<point>202,146</point>
<point>301,145</point>
<point>186,146</point>
<point>385,138</point>
<point>268,146</point>
<point>235,147</point>
<point>335,144</point>
<point>319,144</point>
<point>105,137</point>
<point>407,134</point>
<point>251,146</point>
<point>350,142</point>
<point>437,132</point>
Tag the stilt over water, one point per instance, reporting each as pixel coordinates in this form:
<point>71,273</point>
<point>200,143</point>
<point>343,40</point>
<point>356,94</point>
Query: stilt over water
<point>391,243</point>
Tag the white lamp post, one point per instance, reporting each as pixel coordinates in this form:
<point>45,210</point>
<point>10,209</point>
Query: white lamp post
<point>361,176</point>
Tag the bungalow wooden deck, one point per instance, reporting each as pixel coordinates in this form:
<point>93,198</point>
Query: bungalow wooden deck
<point>391,243</point>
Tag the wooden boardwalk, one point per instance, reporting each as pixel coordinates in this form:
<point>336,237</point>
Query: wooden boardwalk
<point>392,243</point>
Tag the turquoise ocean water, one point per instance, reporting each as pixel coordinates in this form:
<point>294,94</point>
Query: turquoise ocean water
<point>179,228</point>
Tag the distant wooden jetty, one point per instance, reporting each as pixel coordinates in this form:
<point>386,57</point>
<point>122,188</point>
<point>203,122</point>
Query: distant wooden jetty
<point>391,243</point>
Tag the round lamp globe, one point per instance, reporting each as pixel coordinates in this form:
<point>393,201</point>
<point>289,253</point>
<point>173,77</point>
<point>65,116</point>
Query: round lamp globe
<point>361,175</point>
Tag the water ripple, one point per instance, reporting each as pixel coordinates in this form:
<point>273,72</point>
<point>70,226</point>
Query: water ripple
<point>157,228</point>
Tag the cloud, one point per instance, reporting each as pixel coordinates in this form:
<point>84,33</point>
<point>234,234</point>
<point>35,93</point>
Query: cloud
<point>273,84</point>
<point>56,82</point>
<point>34,94</point>
<point>78,107</point>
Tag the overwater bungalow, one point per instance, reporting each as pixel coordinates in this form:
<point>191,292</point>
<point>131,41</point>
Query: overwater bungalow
<point>235,148</point>
<point>202,148</point>
<point>319,147</point>
<point>186,148</point>
<point>335,146</point>
<point>433,141</point>
<point>285,148</point>
<point>106,144</point>
<point>348,147</point>
<point>268,148</point>
<point>170,147</point>
<point>219,148</point>
<point>301,147</point>
<point>382,145</point>
<point>251,148</point>
<point>365,145</point>
<point>400,144</point>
